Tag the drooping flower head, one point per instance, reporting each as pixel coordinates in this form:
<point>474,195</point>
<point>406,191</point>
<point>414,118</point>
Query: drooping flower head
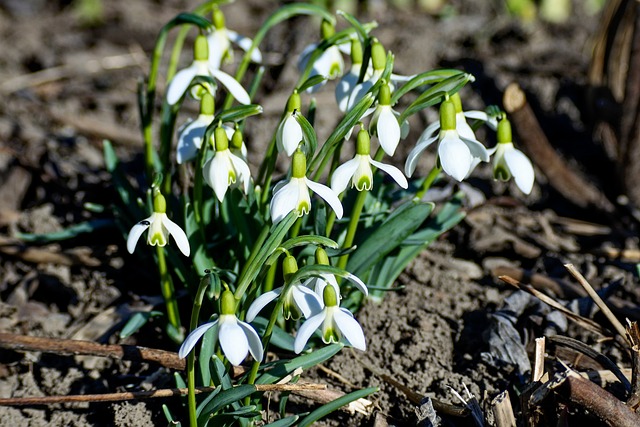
<point>237,338</point>
<point>358,170</point>
<point>200,67</point>
<point>329,64</point>
<point>289,133</point>
<point>348,82</point>
<point>190,135</point>
<point>336,324</point>
<point>318,283</point>
<point>384,123</point>
<point>220,40</point>
<point>509,161</point>
<point>293,195</point>
<point>457,154</point>
<point>225,168</point>
<point>160,227</point>
<point>378,61</point>
<point>298,300</point>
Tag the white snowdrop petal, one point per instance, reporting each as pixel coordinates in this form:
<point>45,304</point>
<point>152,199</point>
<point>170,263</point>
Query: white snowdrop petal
<point>455,157</point>
<point>255,344</point>
<point>341,177</point>
<point>393,172</point>
<point>233,341</point>
<point>193,338</point>
<point>178,234</point>
<point>429,132</point>
<point>291,134</point>
<point>476,114</point>
<point>350,328</point>
<point>358,93</point>
<point>261,302</point>
<point>219,173</point>
<point>235,89</point>
<point>359,283</point>
<point>476,148</point>
<point>306,330</point>
<point>412,158</point>
<point>136,232</point>
<point>242,171</point>
<point>284,200</point>
<point>388,130</point>
<point>345,86</point>
<point>328,195</point>
<point>245,43</point>
<point>180,82</point>
<point>463,128</point>
<point>307,301</point>
<point>521,169</point>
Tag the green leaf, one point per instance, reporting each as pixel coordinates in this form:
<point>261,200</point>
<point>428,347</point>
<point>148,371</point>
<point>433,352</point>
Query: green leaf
<point>335,405</point>
<point>127,194</point>
<point>68,233</point>
<point>223,399</point>
<point>310,82</point>
<point>427,78</point>
<point>237,113</point>
<point>388,236</point>
<point>310,239</point>
<point>363,34</point>
<point>279,338</point>
<point>190,18</point>
<point>137,321</point>
<point>435,94</point>
<point>309,135</point>
<point>199,256</point>
<point>207,350</point>
<point>169,417</point>
<point>284,422</point>
<point>283,368</point>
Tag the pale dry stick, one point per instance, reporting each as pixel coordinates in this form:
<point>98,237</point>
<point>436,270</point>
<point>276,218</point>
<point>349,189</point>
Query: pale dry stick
<point>599,302</point>
<point>136,395</point>
<point>633,334</point>
<point>503,411</point>
<point>91,66</point>
<point>538,368</point>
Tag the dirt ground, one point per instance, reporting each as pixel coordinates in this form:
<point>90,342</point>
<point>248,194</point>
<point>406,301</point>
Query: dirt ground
<point>433,335</point>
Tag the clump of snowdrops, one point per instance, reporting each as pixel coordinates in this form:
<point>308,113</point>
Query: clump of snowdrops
<point>282,263</point>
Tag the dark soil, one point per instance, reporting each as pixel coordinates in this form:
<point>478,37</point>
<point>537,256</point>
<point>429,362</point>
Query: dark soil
<point>432,335</point>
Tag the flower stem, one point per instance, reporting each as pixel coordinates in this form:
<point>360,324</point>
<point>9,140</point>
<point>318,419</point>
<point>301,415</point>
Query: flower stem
<point>353,227</point>
<point>168,293</point>
<point>191,360</point>
<point>428,181</point>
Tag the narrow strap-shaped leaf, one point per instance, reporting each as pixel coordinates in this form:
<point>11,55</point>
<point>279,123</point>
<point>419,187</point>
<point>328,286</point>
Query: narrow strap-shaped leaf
<point>284,368</point>
<point>309,136</point>
<point>69,232</point>
<point>284,422</point>
<point>436,94</point>
<point>310,239</point>
<point>137,321</point>
<point>335,405</point>
<point>310,82</point>
<point>426,78</point>
<point>223,399</point>
<point>279,338</point>
<point>237,113</point>
<point>363,34</point>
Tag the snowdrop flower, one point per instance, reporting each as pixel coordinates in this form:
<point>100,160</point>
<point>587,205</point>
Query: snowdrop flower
<point>456,153</point>
<point>191,134</point>
<point>298,300</point>
<point>200,67</point>
<point>348,82</point>
<point>289,133</point>
<point>329,64</point>
<point>160,227</point>
<point>509,161</point>
<point>378,60</point>
<point>318,283</point>
<point>225,168</point>
<point>335,322</point>
<point>384,123</point>
<point>220,40</point>
<point>236,337</point>
<point>358,170</point>
<point>293,195</point>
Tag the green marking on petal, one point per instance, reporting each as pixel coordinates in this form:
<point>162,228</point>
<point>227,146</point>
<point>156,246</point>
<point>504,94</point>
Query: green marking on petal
<point>502,173</point>
<point>157,238</point>
<point>303,208</point>
<point>364,184</point>
<point>330,335</point>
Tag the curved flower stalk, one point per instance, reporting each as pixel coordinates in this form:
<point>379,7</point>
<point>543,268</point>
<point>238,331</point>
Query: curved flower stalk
<point>289,133</point>
<point>509,161</point>
<point>294,194</point>
<point>457,154</point>
<point>160,227</point>
<point>201,67</point>
<point>358,171</point>
<point>299,300</point>
<point>220,40</point>
<point>225,168</point>
<point>336,324</point>
<point>237,338</point>
<point>330,64</point>
<point>319,283</point>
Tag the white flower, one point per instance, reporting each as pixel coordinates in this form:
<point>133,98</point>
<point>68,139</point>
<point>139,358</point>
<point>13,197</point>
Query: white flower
<point>237,338</point>
<point>289,134</point>
<point>160,227</point>
<point>457,154</point>
<point>293,195</point>
<point>201,67</point>
<point>384,124</point>
<point>319,283</point>
<point>225,168</point>
<point>358,172</point>
<point>220,39</point>
<point>299,301</point>
<point>509,161</point>
<point>335,323</point>
<point>329,64</point>
<point>190,137</point>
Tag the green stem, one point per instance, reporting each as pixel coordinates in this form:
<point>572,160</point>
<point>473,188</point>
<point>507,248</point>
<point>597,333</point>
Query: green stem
<point>428,181</point>
<point>191,360</point>
<point>295,230</point>
<point>168,292</point>
<point>353,227</point>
